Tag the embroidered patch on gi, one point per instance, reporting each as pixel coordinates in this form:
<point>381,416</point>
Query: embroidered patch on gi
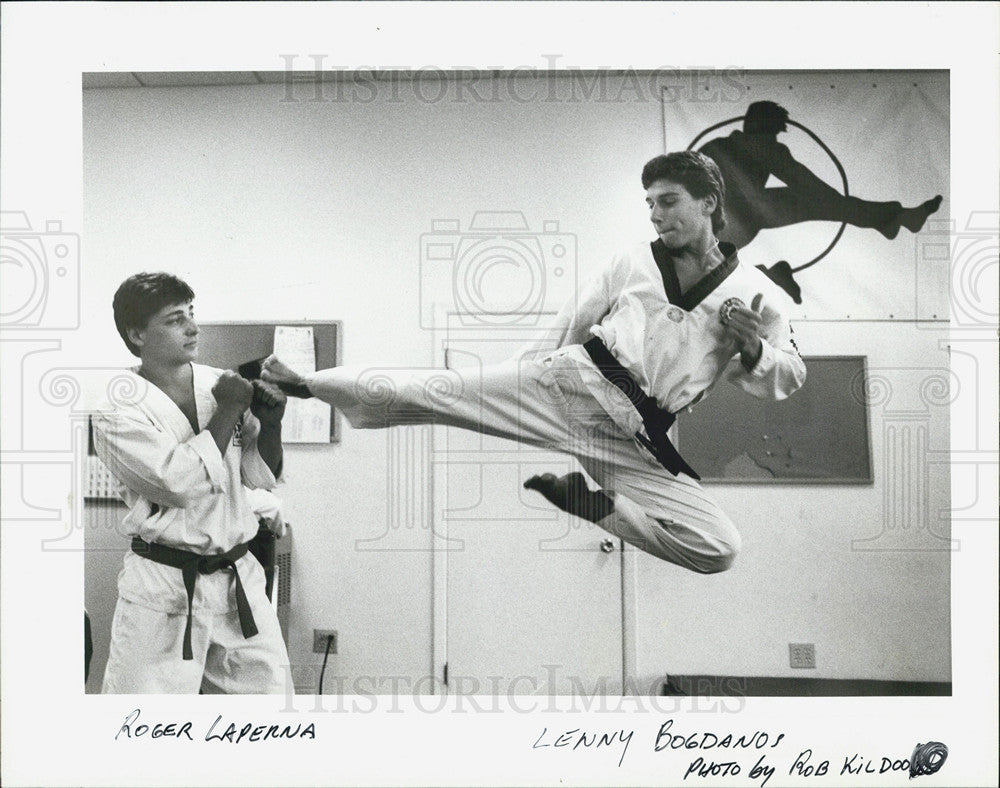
<point>727,309</point>
<point>676,314</point>
<point>238,433</point>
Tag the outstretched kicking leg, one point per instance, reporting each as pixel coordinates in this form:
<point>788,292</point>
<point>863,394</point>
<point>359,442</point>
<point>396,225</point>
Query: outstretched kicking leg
<point>780,207</point>
<point>638,500</point>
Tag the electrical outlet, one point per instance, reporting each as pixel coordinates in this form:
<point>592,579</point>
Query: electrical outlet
<point>802,655</point>
<point>320,637</point>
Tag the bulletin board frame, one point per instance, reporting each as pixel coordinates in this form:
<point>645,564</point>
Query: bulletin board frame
<point>823,431</point>
<point>230,344</point>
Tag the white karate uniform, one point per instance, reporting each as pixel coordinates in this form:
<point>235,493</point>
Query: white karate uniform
<point>182,493</point>
<point>554,397</point>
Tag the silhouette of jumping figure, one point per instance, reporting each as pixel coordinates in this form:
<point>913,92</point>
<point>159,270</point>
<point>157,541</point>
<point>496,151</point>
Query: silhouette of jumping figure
<point>746,159</point>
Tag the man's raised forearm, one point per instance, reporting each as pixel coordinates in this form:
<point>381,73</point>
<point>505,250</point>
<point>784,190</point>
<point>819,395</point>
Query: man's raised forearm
<point>269,446</point>
<point>222,424</point>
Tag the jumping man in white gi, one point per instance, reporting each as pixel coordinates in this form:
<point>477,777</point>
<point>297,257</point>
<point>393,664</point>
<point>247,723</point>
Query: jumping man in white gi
<point>646,338</point>
<point>182,440</point>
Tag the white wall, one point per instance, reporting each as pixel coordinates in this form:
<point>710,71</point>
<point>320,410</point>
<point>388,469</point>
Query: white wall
<point>314,210</point>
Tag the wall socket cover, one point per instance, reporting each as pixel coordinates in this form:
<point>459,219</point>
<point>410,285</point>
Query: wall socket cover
<point>319,640</point>
<point>802,655</point>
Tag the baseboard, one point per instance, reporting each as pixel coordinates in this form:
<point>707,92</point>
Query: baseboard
<point>791,686</point>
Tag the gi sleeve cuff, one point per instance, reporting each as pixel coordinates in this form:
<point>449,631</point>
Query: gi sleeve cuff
<point>765,363</point>
<point>204,445</point>
<point>255,472</point>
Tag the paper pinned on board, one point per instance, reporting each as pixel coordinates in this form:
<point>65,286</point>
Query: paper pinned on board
<point>306,420</point>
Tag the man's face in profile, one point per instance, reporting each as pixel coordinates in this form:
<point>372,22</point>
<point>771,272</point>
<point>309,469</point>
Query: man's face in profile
<point>678,217</point>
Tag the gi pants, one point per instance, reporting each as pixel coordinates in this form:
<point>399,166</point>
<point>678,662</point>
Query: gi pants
<point>146,644</point>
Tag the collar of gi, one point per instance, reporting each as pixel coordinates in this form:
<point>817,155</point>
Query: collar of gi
<point>704,286</point>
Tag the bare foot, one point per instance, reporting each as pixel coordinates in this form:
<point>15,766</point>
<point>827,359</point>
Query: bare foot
<point>284,377</point>
<point>276,371</point>
<point>913,218</point>
<point>571,494</point>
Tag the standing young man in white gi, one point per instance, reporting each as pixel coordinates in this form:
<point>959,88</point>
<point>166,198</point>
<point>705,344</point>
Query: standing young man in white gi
<point>646,338</point>
<point>182,439</point>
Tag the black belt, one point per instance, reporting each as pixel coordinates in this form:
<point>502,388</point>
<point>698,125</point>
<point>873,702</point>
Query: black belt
<point>656,420</point>
<point>193,564</point>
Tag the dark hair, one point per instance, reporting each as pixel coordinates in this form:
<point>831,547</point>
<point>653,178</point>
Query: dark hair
<point>765,116</point>
<point>141,296</point>
<point>695,172</point>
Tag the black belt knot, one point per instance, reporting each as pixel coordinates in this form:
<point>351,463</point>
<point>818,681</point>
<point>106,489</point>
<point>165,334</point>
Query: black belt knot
<point>655,419</point>
<point>193,564</point>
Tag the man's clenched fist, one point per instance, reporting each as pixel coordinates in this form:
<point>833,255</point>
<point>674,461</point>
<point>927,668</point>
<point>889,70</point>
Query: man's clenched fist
<point>233,391</point>
<point>268,403</point>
